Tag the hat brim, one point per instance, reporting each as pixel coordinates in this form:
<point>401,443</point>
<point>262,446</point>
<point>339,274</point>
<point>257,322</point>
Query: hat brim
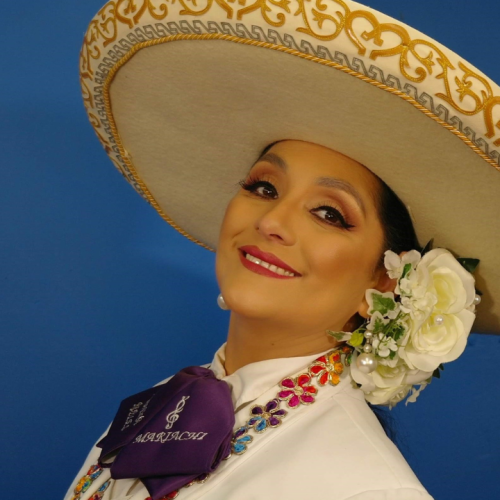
<point>187,120</point>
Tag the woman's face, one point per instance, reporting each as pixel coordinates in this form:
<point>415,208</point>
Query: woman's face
<point>313,211</point>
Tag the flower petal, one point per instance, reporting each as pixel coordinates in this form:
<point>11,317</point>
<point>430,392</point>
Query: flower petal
<point>257,410</point>
<point>303,379</point>
<point>274,422</point>
<point>261,426</point>
<point>310,389</point>
<point>323,379</point>
<point>307,398</point>
<point>240,432</point>
<point>272,405</point>
<point>316,369</point>
<point>288,382</point>
<point>279,413</point>
<point>285,394</point>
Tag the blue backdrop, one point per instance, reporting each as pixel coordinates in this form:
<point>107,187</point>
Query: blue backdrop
<point>100,298</point>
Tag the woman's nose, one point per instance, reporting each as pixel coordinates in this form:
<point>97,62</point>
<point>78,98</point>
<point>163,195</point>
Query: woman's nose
<point>275,224</point>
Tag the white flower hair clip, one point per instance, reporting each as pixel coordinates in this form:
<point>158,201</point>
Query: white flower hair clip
<point>410,333</point>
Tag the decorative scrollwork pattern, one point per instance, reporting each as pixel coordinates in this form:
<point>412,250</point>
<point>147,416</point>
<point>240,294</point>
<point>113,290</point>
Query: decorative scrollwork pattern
<point>324,20</point>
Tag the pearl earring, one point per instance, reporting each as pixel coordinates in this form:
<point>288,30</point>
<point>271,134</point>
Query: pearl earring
<point>221,303</point>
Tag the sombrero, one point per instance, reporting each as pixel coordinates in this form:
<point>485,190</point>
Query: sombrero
<point>184,95</point>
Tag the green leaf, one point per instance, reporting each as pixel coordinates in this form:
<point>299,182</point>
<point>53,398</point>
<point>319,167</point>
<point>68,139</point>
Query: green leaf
<point>436,373</point>
<point>469,264</point>
<point>479,292</point>
<point>340,336</point>
<point>441,367</point>
<point>382,304</point>
<point>379,325</point>
<point>406,270</point>
<point>428,247</point>
<point>356,339</point>
<point>392,355</point>
<point>396,330</point>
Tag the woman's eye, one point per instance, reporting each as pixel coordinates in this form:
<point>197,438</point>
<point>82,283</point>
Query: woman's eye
<point>331,216</point>
<point>263,189</point>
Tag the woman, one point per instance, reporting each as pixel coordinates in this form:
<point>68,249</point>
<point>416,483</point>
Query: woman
<point>316,258</point>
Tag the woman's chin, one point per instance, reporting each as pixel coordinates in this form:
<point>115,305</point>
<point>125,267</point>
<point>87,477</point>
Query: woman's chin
<point>253,303</point>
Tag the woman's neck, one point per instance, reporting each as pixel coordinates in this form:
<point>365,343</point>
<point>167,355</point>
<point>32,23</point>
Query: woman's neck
<point>249,341</point>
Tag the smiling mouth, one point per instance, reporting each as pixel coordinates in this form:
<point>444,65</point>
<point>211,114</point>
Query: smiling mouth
<point>260,266</point>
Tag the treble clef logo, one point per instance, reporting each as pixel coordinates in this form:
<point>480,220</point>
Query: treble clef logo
<point>173,416</point>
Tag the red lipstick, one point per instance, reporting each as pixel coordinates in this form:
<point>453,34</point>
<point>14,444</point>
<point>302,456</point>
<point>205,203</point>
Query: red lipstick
<point>267,257</point>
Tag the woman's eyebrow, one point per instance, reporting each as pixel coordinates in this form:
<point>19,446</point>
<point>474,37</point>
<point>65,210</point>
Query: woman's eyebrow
<point>275,160</point>
<point>329,182</point>
<point>345,186</point>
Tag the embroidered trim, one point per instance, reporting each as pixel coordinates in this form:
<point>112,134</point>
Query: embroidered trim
<point>86,481</point>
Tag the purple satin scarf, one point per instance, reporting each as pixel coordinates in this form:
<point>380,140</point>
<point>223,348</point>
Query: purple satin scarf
<point>170,434</point>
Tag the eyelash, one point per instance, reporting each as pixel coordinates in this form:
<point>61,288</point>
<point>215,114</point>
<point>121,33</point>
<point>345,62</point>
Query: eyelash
<point>252,184</point>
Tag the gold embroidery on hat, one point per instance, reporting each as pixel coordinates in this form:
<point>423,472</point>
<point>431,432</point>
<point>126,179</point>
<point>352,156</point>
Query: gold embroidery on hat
<point>320,17</point>
<point>221,3</point>
<point>103,31</point>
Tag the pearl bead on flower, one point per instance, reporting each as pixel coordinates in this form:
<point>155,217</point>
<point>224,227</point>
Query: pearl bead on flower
<point>366,363</point>
<point>477,300</point>
<point>367,348</point>
<point>438,320</point>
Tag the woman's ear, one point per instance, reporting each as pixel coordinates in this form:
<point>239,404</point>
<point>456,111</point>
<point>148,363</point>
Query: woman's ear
<point>383,284</point>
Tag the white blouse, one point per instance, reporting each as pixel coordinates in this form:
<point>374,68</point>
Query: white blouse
<point>332,448</point>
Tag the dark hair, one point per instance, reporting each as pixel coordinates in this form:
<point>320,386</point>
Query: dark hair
<point>399,233</point>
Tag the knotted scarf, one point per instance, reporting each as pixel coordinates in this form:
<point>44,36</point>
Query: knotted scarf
<point>172,433</point>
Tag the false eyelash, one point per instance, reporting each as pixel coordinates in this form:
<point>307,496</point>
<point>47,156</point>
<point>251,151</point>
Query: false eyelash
<point>252,183</point>
<point>344,221</point>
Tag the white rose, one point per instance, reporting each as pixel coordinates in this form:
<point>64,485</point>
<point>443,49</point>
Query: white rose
<point>452,284</point>
<point>449,292</point>
<point>431,344</point>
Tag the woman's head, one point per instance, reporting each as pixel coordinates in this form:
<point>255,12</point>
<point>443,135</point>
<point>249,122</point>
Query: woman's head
<point>325,216</point>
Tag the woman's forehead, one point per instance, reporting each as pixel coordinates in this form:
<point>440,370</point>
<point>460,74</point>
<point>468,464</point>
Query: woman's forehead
<point>319,163</point>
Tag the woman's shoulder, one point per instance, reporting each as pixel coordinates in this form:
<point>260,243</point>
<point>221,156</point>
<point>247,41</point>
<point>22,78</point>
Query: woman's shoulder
<point>348,425</point>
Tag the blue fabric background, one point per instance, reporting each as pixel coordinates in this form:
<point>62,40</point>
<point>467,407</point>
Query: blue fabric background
<point>100,298</point>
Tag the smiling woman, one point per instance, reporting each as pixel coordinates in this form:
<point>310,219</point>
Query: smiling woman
<point>317,218</point>
<point>333,302</point>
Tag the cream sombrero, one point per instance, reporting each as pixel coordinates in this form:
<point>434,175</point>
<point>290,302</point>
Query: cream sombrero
<point>184,95</point>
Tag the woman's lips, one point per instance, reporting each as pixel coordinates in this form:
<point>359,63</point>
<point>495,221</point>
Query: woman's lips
<point>266,257</point>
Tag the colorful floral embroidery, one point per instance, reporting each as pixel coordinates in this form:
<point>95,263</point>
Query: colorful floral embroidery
<point>241,439</point>
<point>329,367</point>
<point>100,492</point>
<point>266,416</point>
<point>297,390</point>
<point>85,482</point>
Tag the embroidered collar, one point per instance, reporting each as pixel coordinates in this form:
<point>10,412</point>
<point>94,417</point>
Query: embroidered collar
<point>252,380</point>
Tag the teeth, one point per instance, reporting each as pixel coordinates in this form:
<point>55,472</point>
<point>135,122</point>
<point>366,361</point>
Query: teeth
<point>271,267</point>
